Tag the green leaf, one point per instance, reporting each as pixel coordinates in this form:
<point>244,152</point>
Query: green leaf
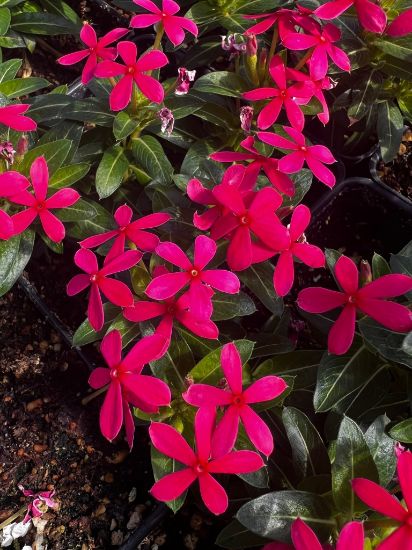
<point>259,280</point>
<point>5,18</point>
<point>303,181</point>
<point>43,23</point>
<point>58,7</point>
<point>85,334</point>
<point>196,163</point>
<point>381,447</point>
<point>352,459</point>
<point>271,515</point>
<point>386,342</point>
<point>365,91</point>
<point>237,537</point>
<point>390,129</point>
<point>14,255</point>
<point>12,40</point>
<point>399,47</point>
<point>81,210</point>
<point>228,306</point>
<point>22,86</point>
<point>54,153</point>
<point>68,175</point>
<point>402,431</point>
<point>9,69</point>
<point>99,224</point>
<point>64,130</point>
<point>128,330</point>
<point>309,453</point>
<point>302,364</point>
<point>89,110</point>
<point>123,125</point>
<point>151,157</point>
<point>111,171</point>
<point>380,266</point>
<point>222,83</point>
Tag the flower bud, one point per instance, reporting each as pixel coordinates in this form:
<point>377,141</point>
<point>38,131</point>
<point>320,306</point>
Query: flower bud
<point>251,45</point>
<point>23,145</point>
<point>399,449</point>
<point>184,78</point>
<point>167,119</point>
<point>365,273</point>
<point>246,117</point>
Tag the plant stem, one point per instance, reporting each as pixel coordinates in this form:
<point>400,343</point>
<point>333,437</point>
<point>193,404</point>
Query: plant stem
<point>112,81</point>
<point>380,524</point>
<point>13,517</point>
<point>273,45</point>
<point>159,36</point>
<point>303,60</point>
<point>90,397</point>
<point>135,100</point>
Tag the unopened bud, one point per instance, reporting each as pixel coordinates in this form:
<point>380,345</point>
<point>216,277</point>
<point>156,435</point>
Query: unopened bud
<point>251,45</point>
<point>23,145</point>
<point>365,273</point>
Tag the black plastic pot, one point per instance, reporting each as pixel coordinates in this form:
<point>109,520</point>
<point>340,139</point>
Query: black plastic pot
<point>373,167</point>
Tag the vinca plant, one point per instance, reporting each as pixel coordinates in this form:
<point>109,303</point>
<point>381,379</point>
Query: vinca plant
<point>177,182</point>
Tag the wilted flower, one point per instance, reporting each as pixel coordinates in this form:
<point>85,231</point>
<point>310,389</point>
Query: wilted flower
<point>184,78</point>
<point>167,119</point>
<point>234,44</point>
<point>39,503</point>
<point>246,117</point>
<point>7,151</point>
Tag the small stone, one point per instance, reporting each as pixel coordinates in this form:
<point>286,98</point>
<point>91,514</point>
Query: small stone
<point>117,538</point>
<point>134,520</point>
<point>101,509</point>
<point>34,405</point>
<point>132,494</point>
<point>40,448</point>
<point>108,478</point>
<point>113,524</point>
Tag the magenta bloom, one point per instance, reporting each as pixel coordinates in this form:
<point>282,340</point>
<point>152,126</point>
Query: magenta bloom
<point>12,116</point>
<point>11,183</point>
<point>194,275</point>
<point>97,50</point>
<point>252,215</point>
<point>308,254</point>
<point>322,41</point>
<point>289,97</point>
<point>132,231</point>
<point>351,538</point>
<point>173,25</point>
<point>99,281</point>
<point>285,19</point>
<point>401,25</point>
<point>320,86</point>
<point>259,162</point>
<point>38,504</point>
<point>237,404</point>
<point>381,500</point>
<point>371,16</point>
<point>39,205</point>
<point>127,384</point>
<point>133,72</point>
<point>315,156</point>
<point>370,299</point>
<point>200,464</point>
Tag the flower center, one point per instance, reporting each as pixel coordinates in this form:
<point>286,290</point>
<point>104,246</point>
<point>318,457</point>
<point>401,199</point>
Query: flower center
<point>94,277</point>
<point>122,229</point>
<point>40,205</point>
<point>194,272</point>
<point>171,309</point>
<point>303,148</point>
<point>244,220</point>
<point>130,70</point>
<point>322,39</point>
<point>283,93</point>
<point>352,299</point>
<point>114,373</point>
<point>238,400</point>
<point>200,468</point>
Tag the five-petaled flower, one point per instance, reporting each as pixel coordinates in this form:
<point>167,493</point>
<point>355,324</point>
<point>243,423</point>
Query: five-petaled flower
<point>11,183</point>
<point>127,384</point>
<point>97,50</point>
<point>315,156</point>
<point>199,465</point>
<point>370,15</point>
<point>370,299</point>
<point>270,166</point>
<point>174,26</point>
<point>237,403</point>
<point>39,503</point>
<point>381,500</point>
<point>133,72</point>
<point>38,205</point>
<point>128,231</point>
<point>288,96</point>
<point>13,117</point>
<point>115,291</point>
<point>194,274</point>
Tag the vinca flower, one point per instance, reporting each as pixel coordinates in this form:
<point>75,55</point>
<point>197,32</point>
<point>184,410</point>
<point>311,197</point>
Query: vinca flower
<point>370,15</point>
<point>370,299</point>
<point>174,26</point>
<point>11,183</point>
<point>98,280</point>
<point>13,117</point>
<point>127,384</point>
<point>199,464</point>
<point>133,72</point>
<point>236,402</point>
<point>97,49</point>
<point>39,503</point>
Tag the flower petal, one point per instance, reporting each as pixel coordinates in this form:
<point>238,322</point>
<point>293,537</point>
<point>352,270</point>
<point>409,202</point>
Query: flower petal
<point>173,254</point>
<point>95,311</point>
<point>88,35</point>
<point>148,389</point>
<point>86,260</point>
<point>319,300</point>
<point>309,254</point>
<point>121,94</point>
<point>237,462</point>
<point>77,284</point>
<point>205,420</point>
<point>99,378</point>
<point>265,389</point>
<point>387,286</point>
<point>116,292</point>
<point>341,334</point>
<point>351,537</point>
<point>23,219</point>
<point>257,431</point>
<point>201,395</point>
<point>166,286</point>
<point>143,311</point>
<point>232,367</point>
<point>222,280</point>
<point>39,175</point>
<point>303,537</point>
<point>205,250</point>
<point>111,348</point>
<point>52,226</point>
<point>73,58</point>
<point>170,442</point>
<point>389,314</point>
<point>150,87</point>
<point>128,424</point>
<point>173,485</point>
<point>12,183</point>
<point>379,499</point>
<point>213,494</point>
<point>284,274</point>
<point>225,434</point>
<point>123,262</point>
<point>143,352</point>
<point>63,198</point>
<point>299,221</point>
<point>111,413</point>
<point>323,173</point>
<point>347,274</point>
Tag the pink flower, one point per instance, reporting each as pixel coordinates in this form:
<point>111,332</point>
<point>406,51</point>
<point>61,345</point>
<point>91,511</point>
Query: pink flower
<point>321,40</point>
<point>351,538</point>
<point>285,19</point>
<point>127,384</point>
<point>115,291</point>
<point>194,275</point>
<point>11,183</point>
<point>39,504</point>
<point>315,156</point>
<point>371,16</point>
<point>200,464</point>
<point>252,215</point>
<point>370,299</point>
<point>173,25</point>
<point>133,72</point>
<point>259,162</point>
<point>184,78</point>
<point>289,97</point>
<point>401,25</point>
<point>39,205</point>
<point>236,402</point>
<point>381,500</point>
<point>97,50</point>
<point>12,116</point>
<point>307,253</point>
<point>321,85</point>
<point>128,230</point>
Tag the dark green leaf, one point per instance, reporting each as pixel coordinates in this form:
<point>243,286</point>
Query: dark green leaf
<point>43,23</point>
<point>9,69</point>
<point>228,306</point>
<point>22,86</point>
<point>150,155</point>
<point>402,431</point>
<point>5,18</point>
<point>123,125</point>
<point>54,153</point>
<point>68,175</point>
<point>381,447</point>
<point>259,280</point>
<point>86,335</point>
<point>390,129</point>
<point>81,210</point>
<point>380,266</point>
<point>237,537</point>
<point>222,83</point>
<point>14,255</point>
<point>386,342</point>
<point>111,171</point>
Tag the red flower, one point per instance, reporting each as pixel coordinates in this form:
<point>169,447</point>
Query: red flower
<point>237,404</point>
<point>173,25</point>
<point>194,275</point>
<point>259,162</point>
<point>289,97</point>
<point>97,50</point>
<point>200,464</point>
<point>313,155</point>
<point>370,299</point>
<point>11,183</point>
<point>127,384</point>
<point>401,25</point>
<point>39,205</point>
<point>371,16</point>
<point>254,214</point>
<point>381,500</point>
<point>285,19</point>
<point>115,291</point>
<point>133,72</point>
<point>133,231</point>
<point>12,116</point>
